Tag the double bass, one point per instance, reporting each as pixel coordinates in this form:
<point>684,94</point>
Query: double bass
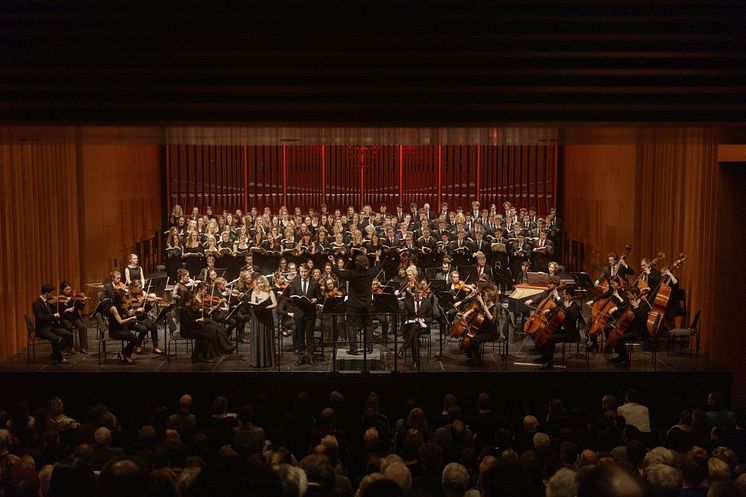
<point>539,327</point>
<point>659,306</point>
<point>622,281</point>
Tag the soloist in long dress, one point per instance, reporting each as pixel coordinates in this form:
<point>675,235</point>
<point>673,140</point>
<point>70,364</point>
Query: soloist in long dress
<point>262,353</point>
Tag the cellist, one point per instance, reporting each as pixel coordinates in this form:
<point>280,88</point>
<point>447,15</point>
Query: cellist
<point>488,331</point>
<point>568,332</point>
<point>636,329</point>
<point>613,295</point>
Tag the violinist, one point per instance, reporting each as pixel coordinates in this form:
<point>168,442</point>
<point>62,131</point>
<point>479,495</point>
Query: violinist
<point>69,311</point>
<point>182,288</point>
<point>616,267</point>
<point>114,283</point>
<point>329,290</point>
<point>210,340</point>
<point>205,272</point>
<point>636,329</point>
<point>242,293</point>
<point>488,331</point>
<point>222,314</point>
<point>569,331</point>
<point>144,323</point>
<point>120,324</point>
<point>47,323</point>
<point>459,289</point>
<point>418,313</point>
<point>133,271</point>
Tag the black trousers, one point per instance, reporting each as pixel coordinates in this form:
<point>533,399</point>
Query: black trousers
<point>547,350</point>
<point>128,336</point>
<point>411,333</point>
<point>143,327</point>
<point>74,324</point>
<point>481,338</point>
<point>359,318</point>
<point>54,336</point>
<point>304,326</point>
<point>621,343</point>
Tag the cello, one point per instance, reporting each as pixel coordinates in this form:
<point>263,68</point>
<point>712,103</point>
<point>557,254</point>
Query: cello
<point>659,306</point>
<point>601,310</point>
<point>538,326</point>
<point>467,325</point>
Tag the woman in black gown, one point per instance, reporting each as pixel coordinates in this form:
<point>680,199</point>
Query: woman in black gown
<point>263,300</point>
<point>210,339</point>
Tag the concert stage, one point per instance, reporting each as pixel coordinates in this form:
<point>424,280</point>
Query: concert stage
<point>675,381</point>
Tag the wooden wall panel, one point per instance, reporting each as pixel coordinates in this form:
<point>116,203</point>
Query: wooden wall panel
<point>122,188</point>
<point>38,197</point>
<point>598,211</point>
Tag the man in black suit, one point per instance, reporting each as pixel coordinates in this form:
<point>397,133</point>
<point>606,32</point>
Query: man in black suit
<point>484,272</point>
<point>49,326</point>
<point>418,315</point>
<point>305,312</point>
<point>359,297</point>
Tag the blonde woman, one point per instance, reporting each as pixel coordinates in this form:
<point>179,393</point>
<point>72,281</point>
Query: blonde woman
<point>263,300</point>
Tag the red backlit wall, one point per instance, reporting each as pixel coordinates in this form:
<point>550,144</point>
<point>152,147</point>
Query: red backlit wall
<point>233,177</point>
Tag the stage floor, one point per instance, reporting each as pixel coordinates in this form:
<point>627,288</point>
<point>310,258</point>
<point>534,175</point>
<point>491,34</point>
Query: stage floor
<point>383,360</point>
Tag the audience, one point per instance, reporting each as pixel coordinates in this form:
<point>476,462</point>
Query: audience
<point>570,453</point>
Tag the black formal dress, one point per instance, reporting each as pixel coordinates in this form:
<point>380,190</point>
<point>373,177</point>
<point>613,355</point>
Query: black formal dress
<point>262,354</point>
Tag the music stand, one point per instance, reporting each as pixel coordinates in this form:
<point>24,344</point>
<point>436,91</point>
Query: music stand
<point>101,306</point>
<point>469,272</point>
<point>437,286</point>
<point>582,280</point>
<point>158,285</point>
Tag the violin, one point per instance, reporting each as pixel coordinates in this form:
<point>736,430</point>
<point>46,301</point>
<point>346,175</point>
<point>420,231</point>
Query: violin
<point>334,292</point>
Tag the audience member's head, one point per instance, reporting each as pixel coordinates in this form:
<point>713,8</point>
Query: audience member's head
<point>399,472</point>
<point>455,480</point>
<point>293,481</point>
<point>562,484</point>
<point>123,476</point>
<point>694,468</point>
<point>608,480</point>
<point>663,480</point>
<point>504,478</point>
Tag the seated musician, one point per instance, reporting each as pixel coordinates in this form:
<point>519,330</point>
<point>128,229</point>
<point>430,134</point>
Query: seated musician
<point>329,290</point>
<point>459,289</point>
<point>616,267</point>
<point>418,315</point>
<point>553,282</point>
<point>70,315</point>
<point>203,274</point>
<point>210,341</point>
<point>144,322</point>
<point>618,297</point>
<point>222,314</point>
<point>445,271</point>
<point>121,320</point>
<point>636,329</point>
<point>114,283</point>
<point>243,290</point>
<point>48,325</point>
<point>649,278</point>
<point>488,331</point>
<point>181,290</point>
<point>569,331</point>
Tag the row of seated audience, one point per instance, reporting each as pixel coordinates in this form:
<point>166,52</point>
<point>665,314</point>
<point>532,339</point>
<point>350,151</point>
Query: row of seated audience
<point>340,452</point>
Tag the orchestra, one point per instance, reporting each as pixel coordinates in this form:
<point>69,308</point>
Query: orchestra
<point>456,266</point>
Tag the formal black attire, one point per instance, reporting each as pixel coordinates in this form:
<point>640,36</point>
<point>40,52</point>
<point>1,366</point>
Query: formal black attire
<point>72,321</point>
<point>122,332</point>
<point>567,333</point>
<point>359,301</point>
<point>305,312</point>
<point>488,332</point>
<point>262,353</point>
<point>415,309</point>
<point>635,331</point>
<point>49,328</point>
<point>541,258</point>
<point>621,271</point>
<point>210,340</point>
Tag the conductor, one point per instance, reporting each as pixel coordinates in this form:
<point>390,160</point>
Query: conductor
<point>359,297</point>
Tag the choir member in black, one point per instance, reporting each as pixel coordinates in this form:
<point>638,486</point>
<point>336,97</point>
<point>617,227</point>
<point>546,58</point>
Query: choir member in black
<point>542,252</point>
<point>460,249</point>
<point>144,324</point>
<point>359,298</point>
<point>488,331</point>
<point>304,293</point>
<point>649,280</point>
<point>174,251</point>
<point>426,245</point>
<point>48,324</point>
<point>418,315</point>
<point>70,313</point>
<point>520,250</point>
<point>499,248</point>
<point>484,272</point>
<point>480,244</point>
<point>636,330</point>
<point>567,333</point>
<point>121,320</point>
<point>209,337</point>
<point>263,325</point>
<point>616,268</point>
